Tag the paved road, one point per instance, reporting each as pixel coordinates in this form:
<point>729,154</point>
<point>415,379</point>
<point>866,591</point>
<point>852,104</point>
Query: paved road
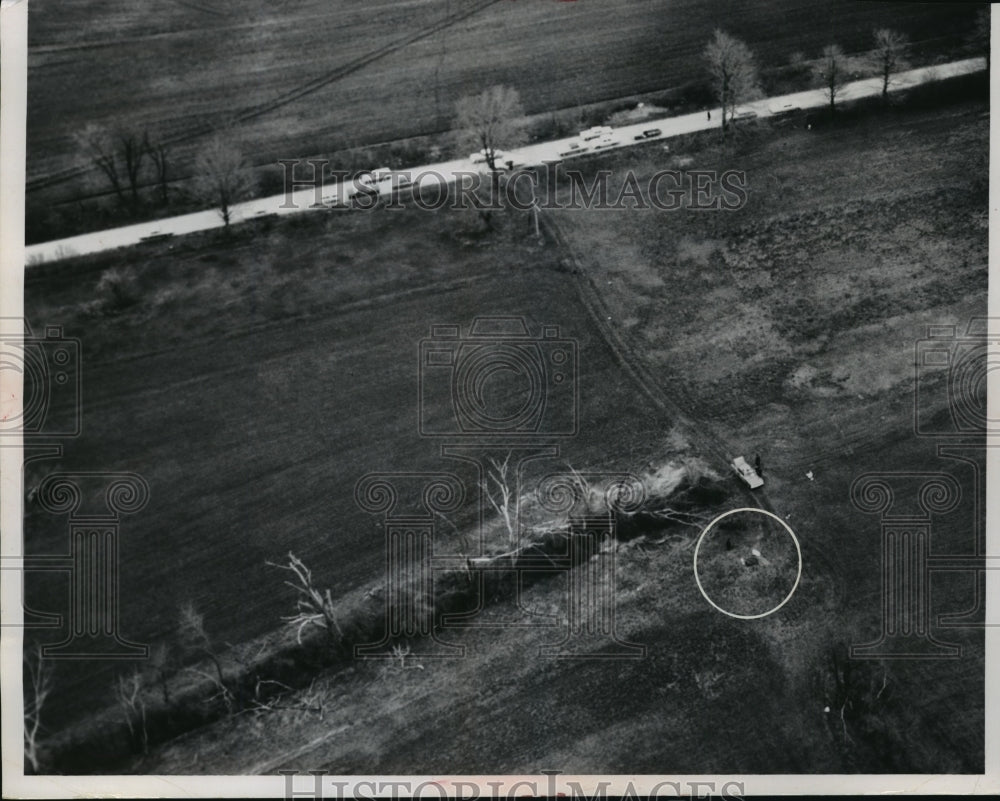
<point>427,176</point>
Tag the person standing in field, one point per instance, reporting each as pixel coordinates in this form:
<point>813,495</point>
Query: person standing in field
<point>756,465</point>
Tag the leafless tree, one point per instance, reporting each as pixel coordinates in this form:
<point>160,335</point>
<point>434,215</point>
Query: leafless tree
<point>37,691</point>
<point>133,152</point>
<point>889,56</point>
<point>733,69</point>
<point>159,669</point>
<point>128,692</point>
<point>492,120</point>
<point>97,143</point>
<point>500,490</point>
<point>119,155</point>
<point>195,639</point>
<point>313,608</point>
<point>222,176</point>
<point>159,156</point>
<point>832,72</point>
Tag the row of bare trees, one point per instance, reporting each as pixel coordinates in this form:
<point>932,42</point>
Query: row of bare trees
<point>490,121</point>
<point>493,119</point>
<point>121,156</point>
<point>129,159</point>
<point>735,77</point>
<point>188,651</point>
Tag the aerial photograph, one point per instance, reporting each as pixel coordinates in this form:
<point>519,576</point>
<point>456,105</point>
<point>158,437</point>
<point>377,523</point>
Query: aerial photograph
<point>493,387</point>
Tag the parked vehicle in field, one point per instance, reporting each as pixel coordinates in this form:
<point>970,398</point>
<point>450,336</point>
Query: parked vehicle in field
<point>745,114</point>
<point>604,141</point>
<point>746,473</point>
<point>649,133</point>
<point>596,132</point>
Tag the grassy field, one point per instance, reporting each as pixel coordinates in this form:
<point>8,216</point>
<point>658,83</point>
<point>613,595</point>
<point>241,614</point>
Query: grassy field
<point>309,77</point>
<point>252,381</point>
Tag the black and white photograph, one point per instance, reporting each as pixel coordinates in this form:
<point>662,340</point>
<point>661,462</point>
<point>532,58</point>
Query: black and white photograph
<point>497,398</point>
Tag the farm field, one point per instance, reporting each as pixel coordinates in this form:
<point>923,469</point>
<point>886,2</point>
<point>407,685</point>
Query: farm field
<point>312,77</point>
<point>252,383</point>
<point>786,328</point>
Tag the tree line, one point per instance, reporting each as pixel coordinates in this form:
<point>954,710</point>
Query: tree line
<point>490,121</point>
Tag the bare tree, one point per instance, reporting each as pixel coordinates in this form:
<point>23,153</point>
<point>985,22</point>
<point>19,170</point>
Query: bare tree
<point>195,639</point>
<point>222,176</point>
<point>500,490</point>
<point>119,155</point>
<point>491,120</point>
<point>128,692</point>
<point>161,666</point>
<point>832,72</point>
<point>97,143</point>
<point>132,148</point>
<point>159,156</point>
<point>37,691</point>
<point>889,56</point>
<point>313,608</point>
<point>734,73</point>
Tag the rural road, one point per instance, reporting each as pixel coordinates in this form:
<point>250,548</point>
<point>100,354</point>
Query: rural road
<point>445,172</point>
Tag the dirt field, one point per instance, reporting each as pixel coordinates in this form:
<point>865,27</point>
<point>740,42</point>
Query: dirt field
<point>253,381</point>
<point>308,77</point>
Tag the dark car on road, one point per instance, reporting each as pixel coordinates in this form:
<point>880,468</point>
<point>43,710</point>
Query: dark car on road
<point>649,133</point>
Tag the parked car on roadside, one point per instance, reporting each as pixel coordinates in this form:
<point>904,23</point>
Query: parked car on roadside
<point>376,179</point>
<point>573,149</point>
<point>480,157</point>
<point>649,133</point>
<point>596,132</point>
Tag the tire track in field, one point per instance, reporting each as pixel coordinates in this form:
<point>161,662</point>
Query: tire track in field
<point>297,93</point>
<point>190,4</point>
<point>678,402</point>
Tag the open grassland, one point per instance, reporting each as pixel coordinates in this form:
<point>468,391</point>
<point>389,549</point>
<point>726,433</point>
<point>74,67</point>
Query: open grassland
<point>308,77</point>
<point>252,382</point>
<point>789,328</point>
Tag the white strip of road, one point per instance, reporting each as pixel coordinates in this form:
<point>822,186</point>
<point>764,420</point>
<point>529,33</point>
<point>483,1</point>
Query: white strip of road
<point>447,172</point>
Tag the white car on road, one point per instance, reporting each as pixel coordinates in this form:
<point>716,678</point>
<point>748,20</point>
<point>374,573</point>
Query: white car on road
<point>597,132</point>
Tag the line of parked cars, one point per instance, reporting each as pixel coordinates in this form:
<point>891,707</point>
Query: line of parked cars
<point>599,137</point>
